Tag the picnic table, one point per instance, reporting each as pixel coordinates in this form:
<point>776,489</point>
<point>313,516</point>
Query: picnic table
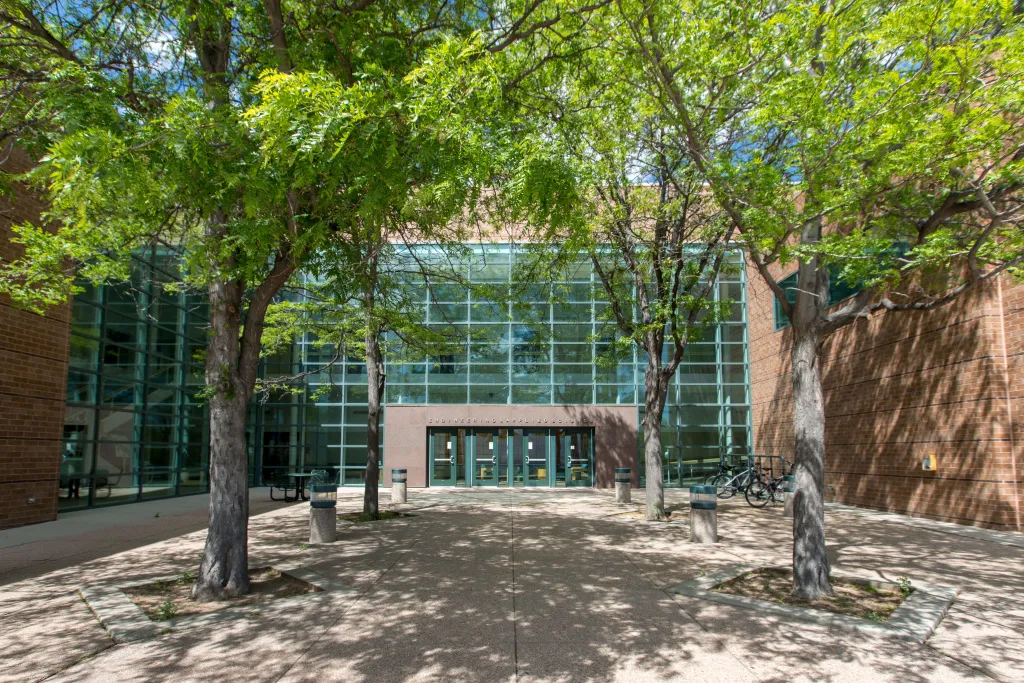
<point>300,484</point>
<point>284,481</point>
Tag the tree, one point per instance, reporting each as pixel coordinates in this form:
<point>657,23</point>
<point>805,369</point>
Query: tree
<point>363,292</point>
<point>148,136</point>
<point>361,134</point>
<point>398,145</point>
<point>599,183</point>
<point>389,162</point>
<point>657,249</point>
<point>144,143</point>
<point>874,143</point>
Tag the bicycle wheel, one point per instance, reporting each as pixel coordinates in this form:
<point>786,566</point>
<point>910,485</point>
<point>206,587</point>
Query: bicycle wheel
<point>721,483</point>
<point>724,486</point>
<point>758,493</point>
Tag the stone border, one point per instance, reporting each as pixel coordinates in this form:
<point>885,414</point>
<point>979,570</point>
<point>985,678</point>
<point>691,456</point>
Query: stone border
<point>914,620</point>
<point>126,622</point>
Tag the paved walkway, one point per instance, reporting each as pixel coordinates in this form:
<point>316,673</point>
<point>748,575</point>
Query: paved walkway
<point>531,586</point>
<point>83,535</point>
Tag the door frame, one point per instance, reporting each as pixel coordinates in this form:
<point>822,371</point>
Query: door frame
<point>567,434</point>
<point>495,480</point>
<point>454,458</point>
<point>549,442</point>
<point>514,435</point>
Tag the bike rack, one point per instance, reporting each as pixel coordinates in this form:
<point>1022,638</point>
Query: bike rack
<point>775,464</point>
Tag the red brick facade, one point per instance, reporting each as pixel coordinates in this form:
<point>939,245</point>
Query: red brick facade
<point>898,387</point>
<point>33,380</point>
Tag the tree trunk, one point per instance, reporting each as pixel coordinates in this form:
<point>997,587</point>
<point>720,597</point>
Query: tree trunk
<point>810,559</point>
<point>375,394</point>
<point>654,405</point>
<point>224,570</point>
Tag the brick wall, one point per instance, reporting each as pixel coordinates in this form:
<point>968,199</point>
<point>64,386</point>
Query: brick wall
<point>1012,305</point>
<point>33,375</point>
<point>902,386</point>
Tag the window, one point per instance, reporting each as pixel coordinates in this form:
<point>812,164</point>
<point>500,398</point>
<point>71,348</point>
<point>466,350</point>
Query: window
<point>838,290</point>
<point>132,429</point>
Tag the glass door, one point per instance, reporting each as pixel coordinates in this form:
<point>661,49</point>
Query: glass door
<point>576,457</point>
<point>446,457</point>
<point>490,457</point>
<point>533,457</point>
<point>511,457</point>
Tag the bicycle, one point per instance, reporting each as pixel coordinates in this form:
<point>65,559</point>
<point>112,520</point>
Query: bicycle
<point>727,485</point>
<point>722,469</point>
<point>763,489</point>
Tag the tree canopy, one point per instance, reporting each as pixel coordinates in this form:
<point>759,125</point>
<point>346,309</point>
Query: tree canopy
<point>877,142</point>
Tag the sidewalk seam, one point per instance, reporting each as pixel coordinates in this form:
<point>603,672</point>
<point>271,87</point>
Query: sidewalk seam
<point>362,595</point>
<point>515,616</point>
<point>982,671</point>
<point>84,658</point>
<point>676,605</point>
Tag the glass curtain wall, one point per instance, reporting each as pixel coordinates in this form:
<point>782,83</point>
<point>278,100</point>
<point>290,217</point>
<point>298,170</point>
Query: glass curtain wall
<point>544,349</point>
<point>541,349</point>
<point>321,426</point>
<point>132,428</point>
<point>707,416</point>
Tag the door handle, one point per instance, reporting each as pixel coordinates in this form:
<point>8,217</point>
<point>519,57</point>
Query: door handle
<point>494,459</point>
<point>452,459</point>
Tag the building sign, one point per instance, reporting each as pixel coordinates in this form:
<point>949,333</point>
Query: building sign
<point>509,421</point>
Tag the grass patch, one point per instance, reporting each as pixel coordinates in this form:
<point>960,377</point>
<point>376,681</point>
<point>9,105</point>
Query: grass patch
<point>171,598</point>
<point>382,515</point>
<point>852,598</point>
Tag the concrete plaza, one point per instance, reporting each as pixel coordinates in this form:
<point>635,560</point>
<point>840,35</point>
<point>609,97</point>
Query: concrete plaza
<point>499,585</point>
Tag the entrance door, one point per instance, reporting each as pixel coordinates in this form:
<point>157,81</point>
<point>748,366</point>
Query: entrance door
<point>490,457</point>
<point>447,457</point>
<point>531,456</point>
<point>511,457</point>
<point>575,457</point>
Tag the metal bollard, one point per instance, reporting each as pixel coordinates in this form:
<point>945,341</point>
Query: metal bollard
<point>323,518</point>
<point>788,494</point>
<point>703,514</point>
<point>399,482</point>
<point>623,485</point>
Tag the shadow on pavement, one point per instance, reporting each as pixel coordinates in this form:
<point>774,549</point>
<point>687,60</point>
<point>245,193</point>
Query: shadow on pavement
<point>546,591</point>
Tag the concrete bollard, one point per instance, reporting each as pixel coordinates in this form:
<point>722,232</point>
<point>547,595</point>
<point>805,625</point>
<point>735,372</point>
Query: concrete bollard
<point>323,514</point>
<point>323,525</point>
<point>623,485</point>
<point>398,486</point>
<point>703,514</point>
<point>788,494</point>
